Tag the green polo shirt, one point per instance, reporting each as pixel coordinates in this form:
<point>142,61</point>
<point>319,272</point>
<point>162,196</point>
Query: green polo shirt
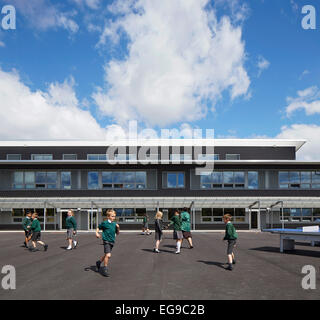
<point>71,223</point>
<point>231,233</point>
<point>26,222</point>
<point>35,227</point>
<point>108,230</point>
<point>185,221</point>
<point>176,221</point>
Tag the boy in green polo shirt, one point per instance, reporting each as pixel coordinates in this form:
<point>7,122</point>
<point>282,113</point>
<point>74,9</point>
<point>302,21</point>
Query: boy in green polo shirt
<point>71,225</point>
<point>26,224</point>
<point>36,234</point>
<point>185,227</point>
<point>231,236</point>
<point>177,232</point>
<point>109,230</point>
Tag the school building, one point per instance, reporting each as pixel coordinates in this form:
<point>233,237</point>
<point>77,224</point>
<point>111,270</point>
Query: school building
<point>258,181</point>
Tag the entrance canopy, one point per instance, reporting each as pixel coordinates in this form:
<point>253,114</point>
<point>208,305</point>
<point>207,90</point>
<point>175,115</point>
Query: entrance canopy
<point>157,202</point>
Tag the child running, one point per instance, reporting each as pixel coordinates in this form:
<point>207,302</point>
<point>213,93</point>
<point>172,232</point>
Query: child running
<point>145,225</point>
<point>71,225</point>
<point>177,232</point>
<point>36,234</point>
<point>109,230</point>
<point>232,236</point>
<point>26,224</point>
<point>158,230</point>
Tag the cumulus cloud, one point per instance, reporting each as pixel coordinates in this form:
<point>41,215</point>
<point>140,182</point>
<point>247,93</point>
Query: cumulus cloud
<point>263,64</point>
<point>54,114</point>
<point>2,44</point>
<point>92,4</point>
<point>309,132</point>
<point>180,57</point>
<point>308,99</point>
<point>43,15</point>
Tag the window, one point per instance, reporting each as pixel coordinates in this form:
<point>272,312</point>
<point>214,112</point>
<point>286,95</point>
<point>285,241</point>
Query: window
<point>125,157</point>
<point>180,157</point>
<point>69,157</point>
<point>215,215</point>
<point>93,180</point>
<point>175,180</point>
<point>306,214</point>
<point>124,179</point>
<point>17,215</point>
<point>45,180</point>
<point>299,179</point>
<point>13,157</point>
<point>252,180</point>
<point>41,157</point>
<point>128,215</point>
<point>208,157</point>
<point>223,179</point>
<point>97,157</point>
<point>232,156</point>
<point>65,180</point>
<point>29,180</point>
<point>18,182</point>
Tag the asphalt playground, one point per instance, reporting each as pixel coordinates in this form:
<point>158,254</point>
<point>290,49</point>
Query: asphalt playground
<point>261,271</point>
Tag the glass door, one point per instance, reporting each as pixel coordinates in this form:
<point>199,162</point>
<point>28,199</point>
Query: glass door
<point>92,219</point>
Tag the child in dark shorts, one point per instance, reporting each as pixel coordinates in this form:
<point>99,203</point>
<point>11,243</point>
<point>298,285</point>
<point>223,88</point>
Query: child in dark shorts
<point>26,224</point>
<point>109,230</point>
<point>36,234</point>
<point>158,230</point>
<point>177,232</point>
<point>231,236</point>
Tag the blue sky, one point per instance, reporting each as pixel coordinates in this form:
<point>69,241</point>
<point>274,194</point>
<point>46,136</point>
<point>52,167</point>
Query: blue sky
<point>92,65</point>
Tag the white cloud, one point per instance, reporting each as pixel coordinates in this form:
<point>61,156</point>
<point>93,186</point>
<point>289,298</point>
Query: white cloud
<point>54,114</point>
<point>43,15</point>
<point>263,64</point>
<point>304,73</point>
<point>308,99</point>
<point>179,57</point>
<point>92,4</point>
<point>309,132</point>
<point>2,44</point>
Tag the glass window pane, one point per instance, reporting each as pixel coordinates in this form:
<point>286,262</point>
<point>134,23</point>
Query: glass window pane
<point>217,212</point>
<point>180,180</point>
<point>13,156</point>
<point>305,177</point>
<point>66,180</point>
<point>316,212</point>
<point>117,177</point>
<point>217,177</point>
<point>229,211</point>
<point>253,180</point>
<point>107,177</point>
<point>40,177</point>
<point>307,212</point>
<point>41,157</point>
<point>29,177</point>
<point>18,177</point>
<point>232,156</point>
<point>240,212</point>
<point>228,177</point>
<point>69,157</point>
<point>295,212</point>
<point>93,180</point>
<point>283,177</point>
<point>294,177</point>
<point>141,177</point>
<point>206,212</point>
<point>205,178</point>
<point>129,177</point>
<point>51,177</point>
<point>316,177</point>
<point>238,177</point>
<point>172,180</point>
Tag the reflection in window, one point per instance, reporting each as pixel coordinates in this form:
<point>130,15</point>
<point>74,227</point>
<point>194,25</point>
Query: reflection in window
<point>175,180</point>
<point>124,180</point>
<point>66,180</point>
<point>252,180</point>
<point>40,157</point>
<point>93,180</point>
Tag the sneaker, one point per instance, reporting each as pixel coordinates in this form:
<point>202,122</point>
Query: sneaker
<point>156,251</point>
<point>69,248</point>
<point>104,271</point>
<point>177,252</point>
<point>98,264</point>
<point>229,267</point>
<point>75,244</point>
<point>45,247</point>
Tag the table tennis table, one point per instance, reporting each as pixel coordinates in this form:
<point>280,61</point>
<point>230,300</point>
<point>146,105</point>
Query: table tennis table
<point>289,236</point>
